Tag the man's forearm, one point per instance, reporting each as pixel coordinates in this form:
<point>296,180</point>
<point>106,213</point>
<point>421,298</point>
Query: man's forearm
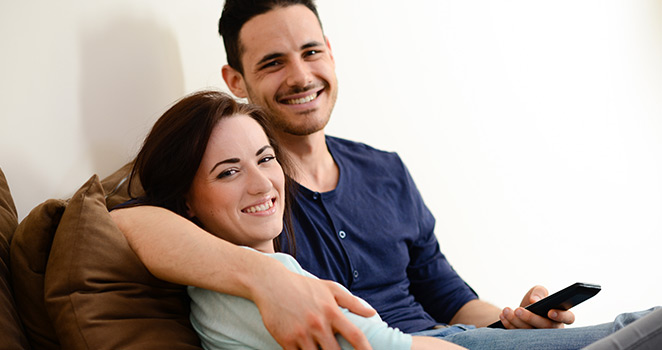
<point>176,250</point>
<point>477,313</point>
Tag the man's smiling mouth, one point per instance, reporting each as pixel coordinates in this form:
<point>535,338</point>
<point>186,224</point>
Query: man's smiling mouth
<point>302,100</point>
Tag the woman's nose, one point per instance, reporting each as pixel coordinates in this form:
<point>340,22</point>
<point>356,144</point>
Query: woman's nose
<point>259,182</point>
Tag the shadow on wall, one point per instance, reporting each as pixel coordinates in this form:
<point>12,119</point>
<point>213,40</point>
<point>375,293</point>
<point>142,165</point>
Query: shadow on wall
<point>131,71</point>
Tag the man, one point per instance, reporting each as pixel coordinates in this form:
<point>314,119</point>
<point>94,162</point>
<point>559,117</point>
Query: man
<point>359,218</point>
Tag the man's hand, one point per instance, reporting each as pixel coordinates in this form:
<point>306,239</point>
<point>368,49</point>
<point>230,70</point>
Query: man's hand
<point>302,313</point>
<point>522,318</point>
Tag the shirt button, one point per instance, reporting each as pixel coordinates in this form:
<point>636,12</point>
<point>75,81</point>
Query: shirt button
<point>356,274</point>
<point>316,195</point>
<point>342,234</point>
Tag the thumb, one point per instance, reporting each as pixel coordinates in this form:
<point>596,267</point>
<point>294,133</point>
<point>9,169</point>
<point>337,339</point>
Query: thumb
<point>535,294</point>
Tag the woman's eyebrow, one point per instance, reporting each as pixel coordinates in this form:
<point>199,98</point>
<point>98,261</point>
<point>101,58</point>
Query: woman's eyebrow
<point>262,149</point>
<point>236,160</point>
<point>230,160</point>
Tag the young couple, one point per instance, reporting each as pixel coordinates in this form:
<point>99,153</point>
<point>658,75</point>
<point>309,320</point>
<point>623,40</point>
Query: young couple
<point>356,215</point>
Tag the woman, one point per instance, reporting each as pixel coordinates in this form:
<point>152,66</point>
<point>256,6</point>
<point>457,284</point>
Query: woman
<point>213,161</point>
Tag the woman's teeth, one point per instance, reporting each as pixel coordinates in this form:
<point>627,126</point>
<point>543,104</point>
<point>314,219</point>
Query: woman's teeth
<point>262,207</point>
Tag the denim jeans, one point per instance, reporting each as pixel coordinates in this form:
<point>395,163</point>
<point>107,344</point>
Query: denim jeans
<point>540,339</point>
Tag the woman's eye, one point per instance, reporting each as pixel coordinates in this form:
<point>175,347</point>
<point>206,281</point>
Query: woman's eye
<point>227,173</point>
<point>266,159</point>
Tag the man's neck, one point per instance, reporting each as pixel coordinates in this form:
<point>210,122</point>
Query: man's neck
<point>314,166</point>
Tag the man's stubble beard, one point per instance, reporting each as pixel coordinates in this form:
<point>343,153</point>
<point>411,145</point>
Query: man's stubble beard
<point>283,124</point>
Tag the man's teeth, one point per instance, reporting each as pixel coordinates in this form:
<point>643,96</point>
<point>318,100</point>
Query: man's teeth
<point>261,207</point>
<point>298,101</point>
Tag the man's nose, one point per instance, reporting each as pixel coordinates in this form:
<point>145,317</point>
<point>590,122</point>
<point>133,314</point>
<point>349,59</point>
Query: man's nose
<point>299,74</point>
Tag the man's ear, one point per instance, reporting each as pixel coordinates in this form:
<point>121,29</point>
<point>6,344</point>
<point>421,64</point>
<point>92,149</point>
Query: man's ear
<point>235,81</point>
<point>328,46</point>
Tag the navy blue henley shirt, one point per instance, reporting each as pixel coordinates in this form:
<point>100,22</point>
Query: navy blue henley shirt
<point>374,235</point>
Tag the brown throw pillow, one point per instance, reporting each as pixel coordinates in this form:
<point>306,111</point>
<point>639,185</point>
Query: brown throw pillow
<point>10,324</point>
<point>116,187</point>
<point>29,254</point>
<point>98,293</point>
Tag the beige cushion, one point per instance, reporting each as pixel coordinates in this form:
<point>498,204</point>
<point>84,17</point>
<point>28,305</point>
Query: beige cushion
<point>98,293</point>
<point>10,324</point>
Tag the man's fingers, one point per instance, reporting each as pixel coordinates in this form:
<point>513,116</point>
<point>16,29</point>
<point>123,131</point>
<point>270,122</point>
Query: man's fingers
<point>351,333</point>
<point>512,319</point>
<point>563,317</point>
<point>350,302</point>
<point>321,328</point>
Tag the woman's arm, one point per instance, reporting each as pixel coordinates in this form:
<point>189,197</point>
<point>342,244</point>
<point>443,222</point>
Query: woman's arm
<point>299,312</point>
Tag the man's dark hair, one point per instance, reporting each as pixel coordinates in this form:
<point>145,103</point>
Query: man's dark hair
<point>237,12</point>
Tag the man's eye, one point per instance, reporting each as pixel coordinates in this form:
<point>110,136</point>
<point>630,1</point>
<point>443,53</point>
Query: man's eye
<point>312,53</point>
<point>270,64</point>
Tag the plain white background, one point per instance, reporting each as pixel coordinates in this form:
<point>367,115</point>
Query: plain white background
<point>533,129</point>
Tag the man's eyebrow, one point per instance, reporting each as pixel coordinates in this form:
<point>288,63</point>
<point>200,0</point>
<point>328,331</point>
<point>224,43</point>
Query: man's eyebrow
<point>274,55</point>
<point>269,57</point>
<point>230,160</point>
<point>311,44</point>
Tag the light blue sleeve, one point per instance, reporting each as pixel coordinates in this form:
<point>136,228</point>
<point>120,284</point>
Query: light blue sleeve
<point>227,322</point>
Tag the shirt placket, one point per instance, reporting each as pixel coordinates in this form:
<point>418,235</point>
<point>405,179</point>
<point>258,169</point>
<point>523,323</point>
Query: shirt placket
<point>341,233</point>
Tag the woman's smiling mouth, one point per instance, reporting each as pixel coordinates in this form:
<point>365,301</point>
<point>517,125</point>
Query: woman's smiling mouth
<point>260,208</point>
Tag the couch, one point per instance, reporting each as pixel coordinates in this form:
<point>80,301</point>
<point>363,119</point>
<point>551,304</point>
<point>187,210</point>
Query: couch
<point>70,280</point>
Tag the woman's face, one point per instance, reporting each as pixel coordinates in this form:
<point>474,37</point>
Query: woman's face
<point>238,190</point>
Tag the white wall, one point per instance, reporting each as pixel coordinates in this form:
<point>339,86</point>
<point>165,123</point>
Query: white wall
<point>533,129</point>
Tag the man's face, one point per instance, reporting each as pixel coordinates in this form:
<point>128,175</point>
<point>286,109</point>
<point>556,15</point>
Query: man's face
<point>289,69</point>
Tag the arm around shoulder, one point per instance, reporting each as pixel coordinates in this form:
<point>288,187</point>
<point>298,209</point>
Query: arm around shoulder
<point>298,311</point>
<point>176,250</point>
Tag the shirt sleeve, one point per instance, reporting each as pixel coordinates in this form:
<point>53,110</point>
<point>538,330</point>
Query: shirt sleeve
<point>434,282</point>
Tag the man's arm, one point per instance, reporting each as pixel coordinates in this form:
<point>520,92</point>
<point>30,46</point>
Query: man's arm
<point>476,312</point>
<point>299,312</point>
